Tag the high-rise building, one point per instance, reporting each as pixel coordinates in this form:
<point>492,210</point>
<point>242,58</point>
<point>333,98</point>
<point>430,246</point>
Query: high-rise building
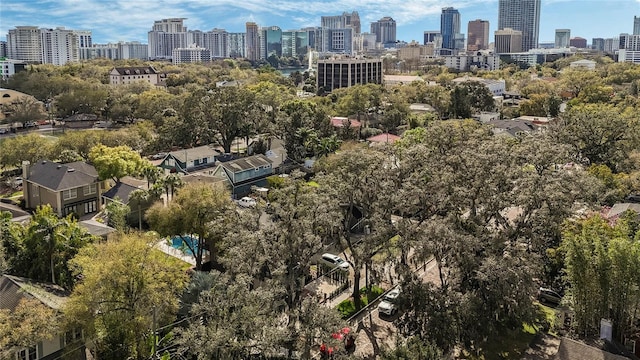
<point>597,44</point>
<point>166,35</point>
<point>59,46</point>
<point>562,38</point>
<point>9,67</point>
<point>252,41</point>
<point>449,27</point>
<point>237,45</point>
<point>629,42</point>
<point>346,20</point>
<point>636,25</point>
<point>339,28</point>
<point>217,41</point>
<point>295,43</point>
<point>611,45</point>
<point>521,15</point>
<point>430,36</point>
<point>385,30</point>
<point>192,54</point>
<point>508,41</point>
<point>478,35</point>
<point>272,39</point>
<point>3,49</point>
<point>346,72</point>
<point>133,50</point>
<point>121,50</point>
<point>578,42</point>
<point>25,43</point>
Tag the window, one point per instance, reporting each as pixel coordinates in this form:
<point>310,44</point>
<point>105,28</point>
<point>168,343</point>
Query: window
<point>90,207</point>
<point>90,189</point>
<point>72,336</point>
<point>73,209</point>
<point>70,194</point>
<point>27,354</point>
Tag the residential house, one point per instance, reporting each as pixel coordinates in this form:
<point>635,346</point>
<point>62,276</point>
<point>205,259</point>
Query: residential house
<point>246,172</point>
<point>189,160</point>
<point>69,345</point>
<point>512,128</point>
<point>121,192</point>
<point>384,138</point>
<point>80,121</point>
<point>72,188</point>
<point>340,122</point>
<point>129,75</point>
<point>573,350</point>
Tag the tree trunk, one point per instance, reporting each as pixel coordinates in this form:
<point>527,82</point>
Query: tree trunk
<point>356,287</point>
<point>53,273</point>
<point>139,217</point>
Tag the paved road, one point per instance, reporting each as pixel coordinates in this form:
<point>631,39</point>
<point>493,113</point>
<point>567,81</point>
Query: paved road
<point>375,331</point>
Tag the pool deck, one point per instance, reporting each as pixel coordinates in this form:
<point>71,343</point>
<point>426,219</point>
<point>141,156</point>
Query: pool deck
<point>164,246</point>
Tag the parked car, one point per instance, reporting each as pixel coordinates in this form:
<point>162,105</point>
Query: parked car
<point>548,296</point>
<point>247,202</point>
<point>388,305</point>
<point>4,131</point>
<point>335,261</point>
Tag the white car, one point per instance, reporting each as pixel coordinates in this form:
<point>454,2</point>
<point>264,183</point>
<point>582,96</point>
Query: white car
<point>247,202</point>
<point>388,305</point>
<point>335,261</point>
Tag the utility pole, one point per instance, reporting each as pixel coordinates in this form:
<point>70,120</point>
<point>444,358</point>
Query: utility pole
<point>155,335</point>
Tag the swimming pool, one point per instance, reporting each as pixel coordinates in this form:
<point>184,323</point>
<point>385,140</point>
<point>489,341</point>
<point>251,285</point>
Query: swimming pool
<point>178,242</point>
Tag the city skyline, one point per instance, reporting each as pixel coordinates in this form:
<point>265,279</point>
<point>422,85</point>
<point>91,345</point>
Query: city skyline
<point>119,20</point>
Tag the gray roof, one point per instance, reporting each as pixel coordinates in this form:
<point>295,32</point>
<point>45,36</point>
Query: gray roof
<point>14,288</point>
<point>574,350</point>
<point>199,152</point>
<point>140,70</point>
<point>96,229</point>
<point>513,127</point>
<point>58,177</point>
<point>121,191</point>
<point>81,117</point>
<point>247,163</point>
<point>620,208</point>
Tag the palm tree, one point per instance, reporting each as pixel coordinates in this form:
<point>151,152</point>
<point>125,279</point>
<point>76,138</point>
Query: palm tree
<point>140,196</point>
<point>152,174</point>
<point>46,227</point>
<point>173,182</point>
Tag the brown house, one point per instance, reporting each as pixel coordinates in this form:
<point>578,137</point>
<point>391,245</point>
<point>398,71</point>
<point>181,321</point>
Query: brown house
<point>72,188</point>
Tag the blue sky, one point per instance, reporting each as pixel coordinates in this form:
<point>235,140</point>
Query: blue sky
<point>129,20</point>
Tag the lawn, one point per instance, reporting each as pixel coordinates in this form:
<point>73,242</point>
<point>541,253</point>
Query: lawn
<point>174,260</point>
<point>512,345</point>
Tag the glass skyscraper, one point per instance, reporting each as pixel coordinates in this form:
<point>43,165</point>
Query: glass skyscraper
<point>521,15</point>
<point>449,27</point>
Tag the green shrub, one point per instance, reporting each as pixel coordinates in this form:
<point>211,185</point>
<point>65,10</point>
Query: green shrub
<point>346,308</point>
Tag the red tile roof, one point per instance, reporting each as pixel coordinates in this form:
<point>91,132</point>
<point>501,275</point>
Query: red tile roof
<point>384,138</point>
<point>342,121</point>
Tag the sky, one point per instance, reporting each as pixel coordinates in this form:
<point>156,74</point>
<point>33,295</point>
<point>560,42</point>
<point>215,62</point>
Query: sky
<point>130,20</point>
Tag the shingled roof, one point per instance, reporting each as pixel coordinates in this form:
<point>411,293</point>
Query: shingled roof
<point>58,177</point>
<point>574,350</point>
<point>247,163</point>
<point>14,288</point>
<point>120,191</point>
<point>198,153</point>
